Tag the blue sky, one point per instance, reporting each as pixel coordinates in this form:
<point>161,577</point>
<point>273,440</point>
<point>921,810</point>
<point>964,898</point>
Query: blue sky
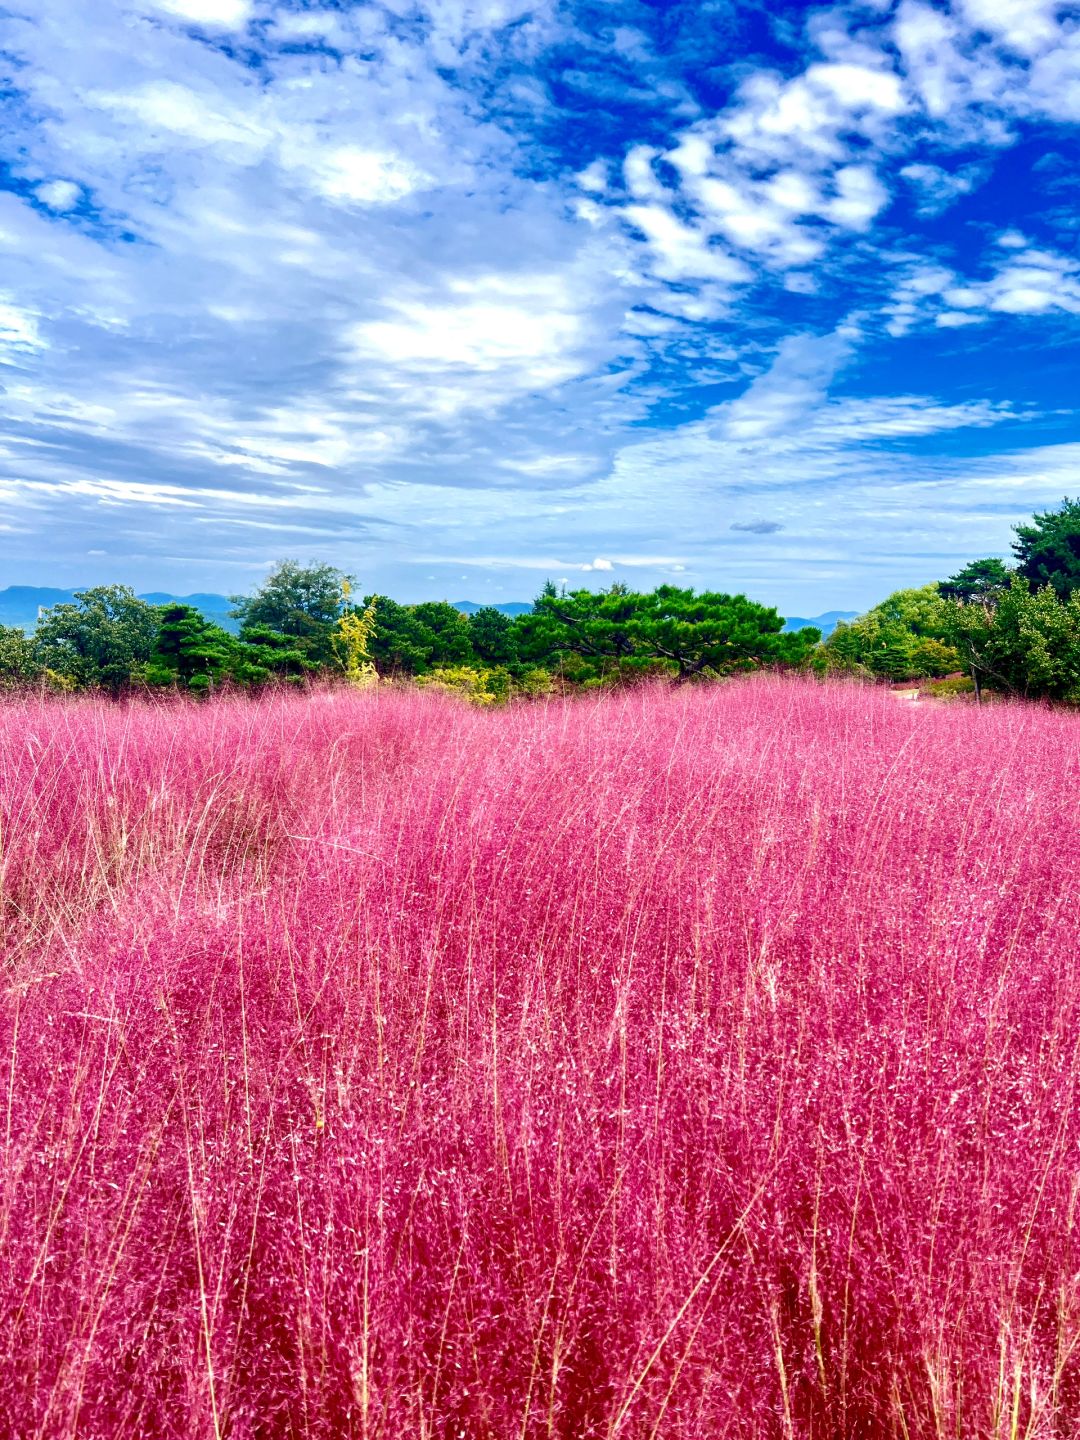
<point>465,294</point>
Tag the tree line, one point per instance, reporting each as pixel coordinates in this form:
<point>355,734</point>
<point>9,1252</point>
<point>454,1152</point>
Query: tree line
<point>1010,629</point>
<point>302,624</point>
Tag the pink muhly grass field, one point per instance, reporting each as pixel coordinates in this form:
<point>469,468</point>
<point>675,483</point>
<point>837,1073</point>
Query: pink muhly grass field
<point>677,1064</point>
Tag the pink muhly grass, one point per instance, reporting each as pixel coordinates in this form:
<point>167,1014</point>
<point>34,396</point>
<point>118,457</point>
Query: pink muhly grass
<point>675,1064</point>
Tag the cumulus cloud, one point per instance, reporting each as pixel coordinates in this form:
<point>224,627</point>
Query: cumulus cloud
<point>1027,26</point>
<point>684,252</point>
<point>58,194</point>
<point>961,66</point>
<point>351,174</point>
<point>769,174</point>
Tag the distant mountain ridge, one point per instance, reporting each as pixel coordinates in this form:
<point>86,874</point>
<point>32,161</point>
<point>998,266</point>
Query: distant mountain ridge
<point>826,623</point>
<point>19,604</point>
<point>509,607</point>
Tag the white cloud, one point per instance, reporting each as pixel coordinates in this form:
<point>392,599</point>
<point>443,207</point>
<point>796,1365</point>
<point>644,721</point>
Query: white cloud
<point>773,119</point>
<point>964,296</point>
<point>455,20</point>
<point>215,14</point>
<point>349,174</point>
<point>962,68</point>
<point>860,88</point>
<point>1027,290</point>
<point>165,107</point>
<point>638,173</point>
<point>766,171</point>
<point>1023,282</point>
<point>58,195</point>
<point>943,78</point>
<point>594,177</point>
<point>762,217</point>
<point>482,335</point>
<point>308,25</point>
<point>956,319</point>
<point>20,335</point>
<point>795,384</point>
<point>789,153</point>
<point>859,196</point>
<point>522,331</point>
<point>1054,88</point>
<point>1025,25</point>
<point>935,187</point>
<point>683,252</point>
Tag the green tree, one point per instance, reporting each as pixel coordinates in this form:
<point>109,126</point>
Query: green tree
<point>18,664</point>
<point>104,639</point>
<point>843,651</point>
<point>1028,644</point>
<point>906,637</point>
<point>190,651</point>
<point>588,634</point>
<point>1048,549</point>
<point>414,639</point>
<point>618,633</point>
<point>302,602</point>
<point>717,633</point>
<point>494,637</point>
<point>984,581</point>
<point>446,632</point>
<point>893,657</point>
<point>262,654</point>
<point>397,645</point>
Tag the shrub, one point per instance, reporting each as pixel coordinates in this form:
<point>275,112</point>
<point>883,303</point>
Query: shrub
<point>948,688</point>
<point>467,682</point>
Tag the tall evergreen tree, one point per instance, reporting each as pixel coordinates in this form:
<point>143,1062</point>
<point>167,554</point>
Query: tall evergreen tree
<point>1048,549</point>
<point>984,581</point>
<point>190,651</point>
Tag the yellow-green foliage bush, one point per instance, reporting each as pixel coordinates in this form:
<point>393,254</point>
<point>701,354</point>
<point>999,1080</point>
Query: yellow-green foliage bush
<point>479,686</point>
<point>534,683</point>
<point>949,688</point>
<point>351,641</point>
<point>486,685</point>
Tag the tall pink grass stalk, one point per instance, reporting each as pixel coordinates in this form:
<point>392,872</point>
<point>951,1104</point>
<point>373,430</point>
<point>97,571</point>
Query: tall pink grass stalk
<point>678,1064</point>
